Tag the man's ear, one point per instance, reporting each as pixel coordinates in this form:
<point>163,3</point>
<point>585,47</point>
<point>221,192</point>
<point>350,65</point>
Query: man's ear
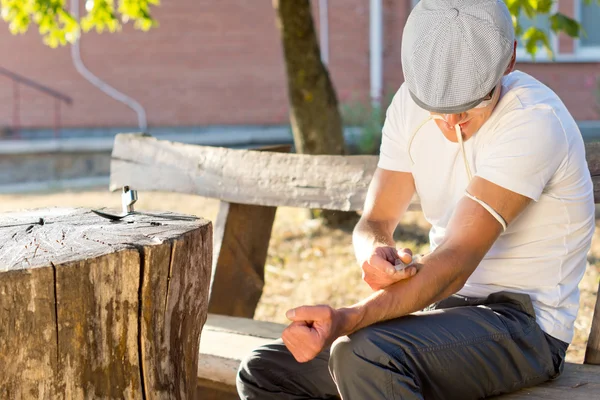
<point>513,60</point>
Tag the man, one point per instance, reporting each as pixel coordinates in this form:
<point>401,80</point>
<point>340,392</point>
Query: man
<point>499,166</point>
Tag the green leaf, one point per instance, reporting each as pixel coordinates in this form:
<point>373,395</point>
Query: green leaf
<point>529,6</point>
<point>518,30</point>
<point>514,7</point>
<point>561,23</point>
<point>534,37</point>
<point>86,24</point>
<point>544,6</point>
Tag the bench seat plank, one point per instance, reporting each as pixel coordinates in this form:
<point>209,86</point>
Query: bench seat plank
<point>221,354</point>
<point>578,382</point>
<point>244,326</point>
<point>226,340</point>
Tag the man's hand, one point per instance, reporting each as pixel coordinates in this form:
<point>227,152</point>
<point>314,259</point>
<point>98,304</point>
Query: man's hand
<point>313,329</point>
<point>381,269</point>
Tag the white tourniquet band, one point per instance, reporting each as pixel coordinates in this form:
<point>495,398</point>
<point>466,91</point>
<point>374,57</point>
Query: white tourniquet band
<point>489,209</point>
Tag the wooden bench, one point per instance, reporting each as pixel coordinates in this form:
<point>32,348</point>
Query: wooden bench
<point>250,185</point>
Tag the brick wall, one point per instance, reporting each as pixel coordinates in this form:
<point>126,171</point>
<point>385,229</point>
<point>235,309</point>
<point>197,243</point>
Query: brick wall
<point>209,62</point>
<point>220,62</point>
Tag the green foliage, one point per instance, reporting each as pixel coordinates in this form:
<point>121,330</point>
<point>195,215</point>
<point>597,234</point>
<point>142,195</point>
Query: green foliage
<point>101,15</point>
<point>58,26</point>
<point>534,38</point>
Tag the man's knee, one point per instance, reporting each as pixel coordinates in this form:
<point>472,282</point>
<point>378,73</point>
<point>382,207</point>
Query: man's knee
<point>252,369</point>
<point>363,348</point>
<point>365,361</point>
<point>271,370</point>
<point>247,369</point>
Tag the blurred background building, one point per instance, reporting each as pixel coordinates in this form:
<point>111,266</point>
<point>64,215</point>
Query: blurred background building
<point>214,69</point>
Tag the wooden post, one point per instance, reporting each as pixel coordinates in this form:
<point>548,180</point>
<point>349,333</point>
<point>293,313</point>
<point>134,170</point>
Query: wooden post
<point>96,309</point>
<point>592,352</point>
<point>242,235</point>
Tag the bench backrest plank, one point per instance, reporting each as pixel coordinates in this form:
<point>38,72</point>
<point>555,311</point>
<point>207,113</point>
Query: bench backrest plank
<point>241,176</point>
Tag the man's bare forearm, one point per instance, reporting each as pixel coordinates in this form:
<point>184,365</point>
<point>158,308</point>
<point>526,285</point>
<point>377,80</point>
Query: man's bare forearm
<point>442,274</point>
<point>369,234</point>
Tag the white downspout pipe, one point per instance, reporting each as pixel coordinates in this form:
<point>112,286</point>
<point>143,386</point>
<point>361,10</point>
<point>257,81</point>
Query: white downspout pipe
<point>105,87</point>
<point>324,31</point>
<point>376,53</point>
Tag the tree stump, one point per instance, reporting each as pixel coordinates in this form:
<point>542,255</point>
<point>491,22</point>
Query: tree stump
<point>94,309</point>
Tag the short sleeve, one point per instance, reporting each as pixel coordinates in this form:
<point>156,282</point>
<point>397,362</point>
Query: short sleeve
<point>393,154</point>
<point>525,151</point>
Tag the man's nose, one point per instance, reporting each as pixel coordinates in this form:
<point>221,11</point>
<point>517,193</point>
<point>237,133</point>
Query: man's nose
<point>452,119</point>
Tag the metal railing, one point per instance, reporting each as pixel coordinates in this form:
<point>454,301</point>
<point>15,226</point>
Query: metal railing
<point>21,80</point>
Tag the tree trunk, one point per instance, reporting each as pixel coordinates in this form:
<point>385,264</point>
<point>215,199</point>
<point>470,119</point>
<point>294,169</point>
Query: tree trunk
<point>97,309</point>
<point>314,113</point>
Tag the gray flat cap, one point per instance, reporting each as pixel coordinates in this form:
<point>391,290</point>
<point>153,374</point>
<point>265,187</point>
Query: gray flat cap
<point>455,51</point>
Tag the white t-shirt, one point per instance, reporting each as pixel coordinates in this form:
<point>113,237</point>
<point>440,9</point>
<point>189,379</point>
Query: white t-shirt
<point>532,146</point>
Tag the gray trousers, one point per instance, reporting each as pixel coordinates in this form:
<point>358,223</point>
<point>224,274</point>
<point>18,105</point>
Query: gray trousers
<point>462,348</point>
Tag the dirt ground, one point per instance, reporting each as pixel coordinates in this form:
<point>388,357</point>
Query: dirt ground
<point>307,263</point>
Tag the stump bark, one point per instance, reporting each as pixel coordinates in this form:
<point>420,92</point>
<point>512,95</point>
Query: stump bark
<point>93,309</point>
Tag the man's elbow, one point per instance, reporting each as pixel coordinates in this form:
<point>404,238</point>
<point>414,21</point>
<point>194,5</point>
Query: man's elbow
<point>465,270</point>
<point>464,267</point>
<point>456,285</point>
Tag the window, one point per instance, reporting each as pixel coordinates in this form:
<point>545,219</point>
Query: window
<point>588,46</point>
<point>590,16</point>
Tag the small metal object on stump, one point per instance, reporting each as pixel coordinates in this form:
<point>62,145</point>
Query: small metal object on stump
<point>128,199</point>
<point>92,308</point>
